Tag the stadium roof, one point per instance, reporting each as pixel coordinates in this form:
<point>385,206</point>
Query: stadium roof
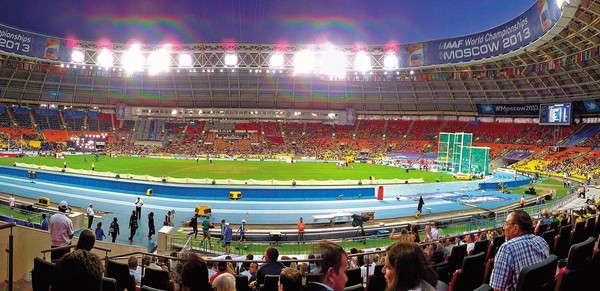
<point>563,64</point>
<point>260,21</point>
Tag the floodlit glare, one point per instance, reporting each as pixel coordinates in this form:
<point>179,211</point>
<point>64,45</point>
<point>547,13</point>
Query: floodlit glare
<point>276,61</point>
<point>184,60</point>
<point>304,62</point>
<point>231,60</point>
<point>133,60</point>
<point>105,59</point>
<point>362,62</point>
<point>77,56</point>
<point>390,62</point>
<point>160,60</point>
<point>333,62</point>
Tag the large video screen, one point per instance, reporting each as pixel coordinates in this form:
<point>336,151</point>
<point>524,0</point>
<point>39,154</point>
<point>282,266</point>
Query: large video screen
<point>556,114</point>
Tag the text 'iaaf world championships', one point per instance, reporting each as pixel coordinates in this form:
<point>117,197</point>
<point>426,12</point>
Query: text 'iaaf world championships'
<point>488,43</point>
<point>13,36</point>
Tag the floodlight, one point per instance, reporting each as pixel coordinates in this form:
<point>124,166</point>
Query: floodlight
<point>304,62</point>
<point>77,56</point>
<point>133,60</point>
<point>231,60</point>
<point>390,62</point>
<point>362,62</point>
<point>160,60</point>
<point>276,61</point>
<point>333,62</point>
<point>184,60</point>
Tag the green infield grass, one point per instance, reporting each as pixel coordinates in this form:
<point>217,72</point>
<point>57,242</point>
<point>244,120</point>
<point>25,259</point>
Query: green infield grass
<point>240,169</point>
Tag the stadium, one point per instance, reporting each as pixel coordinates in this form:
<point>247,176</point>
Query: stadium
<point>340,135</point>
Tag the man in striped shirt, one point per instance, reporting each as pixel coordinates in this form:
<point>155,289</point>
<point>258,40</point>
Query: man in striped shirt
<point>521,249</point>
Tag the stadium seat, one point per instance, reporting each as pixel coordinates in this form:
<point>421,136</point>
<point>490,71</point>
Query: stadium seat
<point>120,272</point>
<point>470,275</point>
<point>156,279</point>
<point>481,246</point>
<point>561,241</point>
<point>354,277</point>
<point>493,247</point>
<point>376,283</point>
<point>548,236</point>
<point>271,283</point>
<point>446,268</point>
<point>378,270</point>
<point>578,233</point>
<point>241,283</point>
<point>109,284</point>
<point>540,276</point>
<point>487,274</point>
<point>590,223</point>
<point>41,276</point>
<point>576,275</point>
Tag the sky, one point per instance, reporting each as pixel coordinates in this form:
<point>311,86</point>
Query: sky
<point>344,22</point>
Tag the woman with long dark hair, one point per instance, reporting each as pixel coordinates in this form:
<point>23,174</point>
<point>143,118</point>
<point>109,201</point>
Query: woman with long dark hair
<point>406,269</point>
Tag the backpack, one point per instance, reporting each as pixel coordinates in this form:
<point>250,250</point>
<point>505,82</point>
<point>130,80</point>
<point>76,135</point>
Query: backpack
<point>112,227</point>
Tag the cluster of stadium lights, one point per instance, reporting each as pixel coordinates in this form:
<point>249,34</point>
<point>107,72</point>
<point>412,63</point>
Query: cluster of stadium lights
<point>328,61</point>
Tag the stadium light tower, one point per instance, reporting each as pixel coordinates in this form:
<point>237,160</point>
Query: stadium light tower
<point>133,60</point>
<point>276,61</point>
<point>304,62</point>
<point>184,60</point>
<point>105,59</point>
<point>77,56</point>
<point>160,60</point>
<point>231,60</point>
<point>390,62</point>
<point>362,62</point>
<point>333,62</point>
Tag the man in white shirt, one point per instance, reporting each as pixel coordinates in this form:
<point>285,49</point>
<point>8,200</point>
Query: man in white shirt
<point>61,230</point>
<point>90,215</point>
<point>434,231</point>
<point>11,204</point>
<point>138,207</point>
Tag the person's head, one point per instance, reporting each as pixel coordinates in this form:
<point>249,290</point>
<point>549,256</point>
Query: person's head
<point>223,221</point>
<point>194,275</point>
<point>63,206</point>
<point>151,215</point>
<point>138,199</point>
<point>290,280</point>
<point>271,255</point>
<point>301,220</point>
<point>517,223</point>
<point>224,282</point>
<point>43,216</point>
<point>226,224</point>
<point>91,206</point>
<point>405,266</point>
<point>253,268</point>
<point>243,221</point>
<point>133,213</point>
<point>78,270</point>
<point>404,230</point>
<point>132,263</point>
<point>86,241</point>
<point>115,219</point>
<point>334,263</point>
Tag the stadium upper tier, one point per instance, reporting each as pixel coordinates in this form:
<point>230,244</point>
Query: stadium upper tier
<point>547,54</point>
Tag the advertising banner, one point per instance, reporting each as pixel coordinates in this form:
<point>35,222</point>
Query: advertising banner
<point>20,42</point>
<point>517,33</point>
<point>508,109</point>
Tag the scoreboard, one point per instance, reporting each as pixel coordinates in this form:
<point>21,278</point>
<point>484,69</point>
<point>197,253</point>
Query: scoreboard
<point>556,114</point>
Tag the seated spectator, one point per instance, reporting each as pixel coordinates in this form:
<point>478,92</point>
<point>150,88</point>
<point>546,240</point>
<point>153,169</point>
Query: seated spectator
<point>521,249</point>
<point>251,272</point>
<point>270,267</point>
<point>86,241</point>
<point>132,263</point>
<point>78,270</point>
<point>221,269</point>
<point>333,265</point>
<point>224,282</point>
<point>290,280</point>
<point>406,269</point>
<point>194,275</point>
